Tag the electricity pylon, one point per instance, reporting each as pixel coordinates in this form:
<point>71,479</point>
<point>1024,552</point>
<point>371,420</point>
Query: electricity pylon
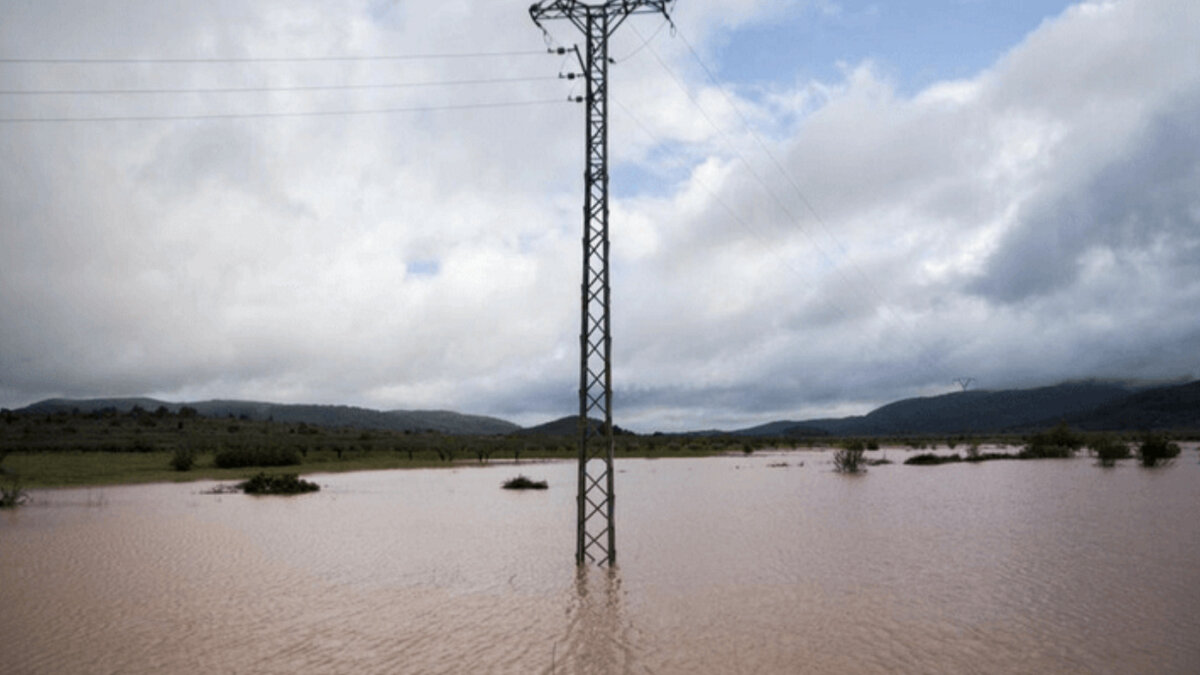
<point>595,534</point>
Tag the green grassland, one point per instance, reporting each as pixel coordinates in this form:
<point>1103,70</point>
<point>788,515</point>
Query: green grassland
<point>107,448</point>
<point>141,446</point>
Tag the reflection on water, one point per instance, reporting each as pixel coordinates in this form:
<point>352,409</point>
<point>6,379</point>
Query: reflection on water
<point>728,565</point>
<point>598,637</point>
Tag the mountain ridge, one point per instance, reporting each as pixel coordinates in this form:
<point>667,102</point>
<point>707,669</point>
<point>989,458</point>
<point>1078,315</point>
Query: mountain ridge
<point>1094,405</point>
<point>443,421</point>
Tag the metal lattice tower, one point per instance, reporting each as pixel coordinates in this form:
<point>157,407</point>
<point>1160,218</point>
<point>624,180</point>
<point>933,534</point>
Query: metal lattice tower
<point>595,532</point>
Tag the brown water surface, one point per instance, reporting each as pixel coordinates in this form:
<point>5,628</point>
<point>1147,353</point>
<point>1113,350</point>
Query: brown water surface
<point>727,566</point>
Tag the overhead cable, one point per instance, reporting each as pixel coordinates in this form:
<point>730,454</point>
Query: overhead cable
<point>236,90</point>
<point>260,115</point>
<point>271,59</point>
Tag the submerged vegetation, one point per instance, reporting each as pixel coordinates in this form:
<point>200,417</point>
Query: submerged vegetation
<point>1057,443</point>
<point>849,457</point>
<point>1109,450</point>
<point>12,494</point>
<point>278,484</point>
<point>1157,449</point>
<point>524,483</point>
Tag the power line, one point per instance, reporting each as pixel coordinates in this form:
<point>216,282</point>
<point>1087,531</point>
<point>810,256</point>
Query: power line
<point>720,201</point>
<point>236,90</point>
<point>791,217</point>
<point>883,303</point>
<point>261,115</point>
<point>270,59</point>
<point>646,42</point>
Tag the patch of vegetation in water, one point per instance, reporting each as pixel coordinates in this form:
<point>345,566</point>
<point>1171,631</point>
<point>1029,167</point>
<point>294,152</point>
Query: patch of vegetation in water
<point>1058,443</point>
<point>1109,450</point>
<point>524,483</point>
<point>280,484</point>
<point>12,495</point>
<point>1157,449</point>
<point>930,459</point>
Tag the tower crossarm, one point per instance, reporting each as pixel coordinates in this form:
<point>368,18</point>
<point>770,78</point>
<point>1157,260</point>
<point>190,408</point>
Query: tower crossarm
<point>614,10</point>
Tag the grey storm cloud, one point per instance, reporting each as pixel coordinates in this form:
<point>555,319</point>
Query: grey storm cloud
<point>1034,222</point>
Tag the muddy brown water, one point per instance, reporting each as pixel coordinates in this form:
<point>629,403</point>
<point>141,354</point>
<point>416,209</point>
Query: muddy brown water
<point>727,565</point>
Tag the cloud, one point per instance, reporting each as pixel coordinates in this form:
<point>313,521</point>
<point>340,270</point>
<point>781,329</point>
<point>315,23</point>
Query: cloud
<point>1033,222</point>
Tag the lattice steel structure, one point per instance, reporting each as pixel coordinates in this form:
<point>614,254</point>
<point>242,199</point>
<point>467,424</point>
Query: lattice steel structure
<point>595,531</point>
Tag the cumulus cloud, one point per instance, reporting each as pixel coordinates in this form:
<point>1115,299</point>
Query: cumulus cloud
<point>1034,222</point>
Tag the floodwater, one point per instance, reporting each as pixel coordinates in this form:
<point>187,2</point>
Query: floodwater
<point>727,565</point>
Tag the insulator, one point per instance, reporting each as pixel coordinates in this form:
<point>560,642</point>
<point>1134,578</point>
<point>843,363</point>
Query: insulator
<point>562,50</point>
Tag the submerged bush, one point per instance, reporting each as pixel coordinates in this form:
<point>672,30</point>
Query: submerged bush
<point>849,459</point>
<point>524,483</point>
<point>282,484</point>
<point>930,459</point>
<point>1156,449</point>
<point>1109,450</point>
<point>12,495</point>
<point>235,458</point>
<point>1058,443</point>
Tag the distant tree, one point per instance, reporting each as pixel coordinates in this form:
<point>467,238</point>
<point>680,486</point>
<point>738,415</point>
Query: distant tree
<point>849,457</point>
<point>1109,450</point>
<point>1059,442</point>
<point>188,412</point>
<point>1156,449</point>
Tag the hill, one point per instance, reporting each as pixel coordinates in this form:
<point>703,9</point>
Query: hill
<point>322,415</point>
<point>1089,405</point>
<point>565,426</point>
<point>1162,408</point>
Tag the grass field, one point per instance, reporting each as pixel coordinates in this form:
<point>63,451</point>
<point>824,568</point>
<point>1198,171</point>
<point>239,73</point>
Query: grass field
<point>139,447</point>
<point>143,447</point>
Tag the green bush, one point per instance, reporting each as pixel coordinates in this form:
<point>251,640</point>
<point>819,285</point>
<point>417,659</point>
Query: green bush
<point>1108,450</point>
<point>929,459</point>
<point>1058,443</point>
<point>12,495</point>
<point>1156,449</point>
<point>282,484</point>
<point>524,483</point>
<point>238,457</point>
<point>183,459</point>
<point>849,459</point>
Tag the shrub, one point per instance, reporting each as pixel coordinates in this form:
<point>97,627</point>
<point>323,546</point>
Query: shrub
<point>930,459</point>
<point>1156,449</point>
<point>524,483</point>
<point>282,484</point>
<point>1058,443</point>
<point>12,495</point>
<point>1109,450</point>
<point>235,458</point>
<point>849,458</point>
<point>183,459</point>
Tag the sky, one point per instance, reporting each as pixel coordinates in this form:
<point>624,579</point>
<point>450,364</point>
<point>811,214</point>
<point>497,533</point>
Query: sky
<point>818,207</point>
